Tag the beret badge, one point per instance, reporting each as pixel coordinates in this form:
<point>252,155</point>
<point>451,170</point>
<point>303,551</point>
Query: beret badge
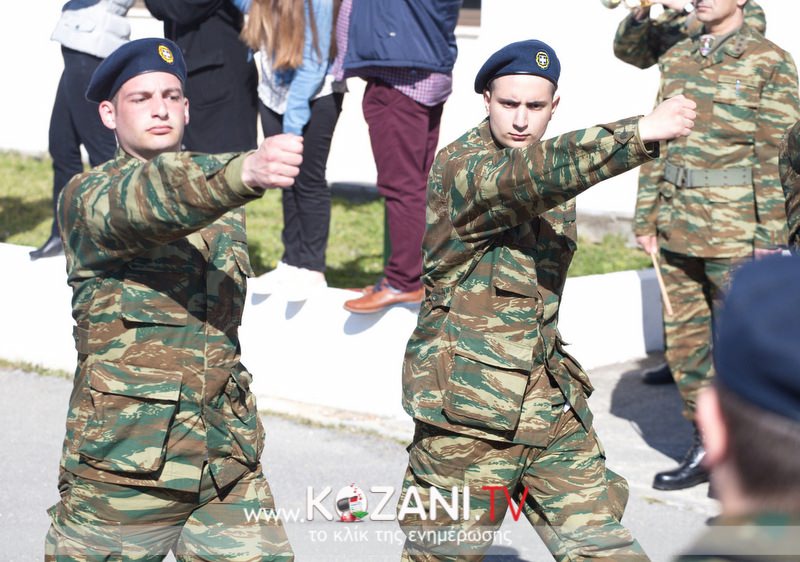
<point>165,54</point>
<point>542,60</point>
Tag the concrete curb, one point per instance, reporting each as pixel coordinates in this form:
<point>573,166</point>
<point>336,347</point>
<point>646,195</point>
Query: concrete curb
<point>317,359</point>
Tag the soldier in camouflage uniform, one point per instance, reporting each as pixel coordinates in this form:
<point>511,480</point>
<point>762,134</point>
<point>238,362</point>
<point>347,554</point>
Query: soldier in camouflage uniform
<point>789,161</point>
<point>499,405</point>
<point>163,435</point>
<point>676,23</point>
<point>714,200</point>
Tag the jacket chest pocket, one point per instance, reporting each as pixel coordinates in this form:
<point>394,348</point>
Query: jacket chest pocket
<point>488,381</point>
<point>736,102</point>
<point>155,293</point>
<point>132,409</point>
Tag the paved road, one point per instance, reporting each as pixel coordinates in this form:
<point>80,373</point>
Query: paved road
<point>640,427</point>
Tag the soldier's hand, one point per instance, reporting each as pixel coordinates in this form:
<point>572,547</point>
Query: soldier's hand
<point>670,119</point>
<point>648,243</point>
<point>276,162</point>
<point>676,5</point>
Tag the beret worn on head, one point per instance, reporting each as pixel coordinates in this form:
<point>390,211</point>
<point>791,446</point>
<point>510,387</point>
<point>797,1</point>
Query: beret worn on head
<point>757,345</point>
<point>524,57</point>
<point>134,58</point>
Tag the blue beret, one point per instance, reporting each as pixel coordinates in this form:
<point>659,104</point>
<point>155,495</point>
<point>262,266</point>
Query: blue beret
<point>131,59</point>
<point>524,57</point>
<point>757,344</point>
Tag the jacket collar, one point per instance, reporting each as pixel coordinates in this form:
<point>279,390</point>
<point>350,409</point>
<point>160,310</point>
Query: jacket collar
<point>734,46</point>
<point>486,138</point>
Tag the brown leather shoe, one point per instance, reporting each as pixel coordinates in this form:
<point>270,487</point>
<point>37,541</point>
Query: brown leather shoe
<point>380,296</point>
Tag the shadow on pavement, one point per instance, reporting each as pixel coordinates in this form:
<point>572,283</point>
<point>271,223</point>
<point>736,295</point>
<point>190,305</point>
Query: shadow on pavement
<point>654,409</point>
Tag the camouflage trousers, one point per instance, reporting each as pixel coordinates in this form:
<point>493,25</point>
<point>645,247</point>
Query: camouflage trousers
<point>99,521</point>
<point>695,287</point>
<point>573,501</point>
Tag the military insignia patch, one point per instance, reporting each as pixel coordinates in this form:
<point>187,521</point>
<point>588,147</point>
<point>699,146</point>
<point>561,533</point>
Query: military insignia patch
<point>543,60</point>
<point>166,54</point>
<point>706,44</point>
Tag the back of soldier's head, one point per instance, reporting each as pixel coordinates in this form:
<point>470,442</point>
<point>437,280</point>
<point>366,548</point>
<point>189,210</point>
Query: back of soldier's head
<point>757,358</point>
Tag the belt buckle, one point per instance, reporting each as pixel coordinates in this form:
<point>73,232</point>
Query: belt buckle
<point>682,178</point>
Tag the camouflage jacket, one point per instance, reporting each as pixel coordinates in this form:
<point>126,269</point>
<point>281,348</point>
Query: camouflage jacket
<point>668,29</point>
<point>500,235</point>
<point>762,537</point>
<point>790,179</point>
<point>157,260</point>
<point>746,95</point>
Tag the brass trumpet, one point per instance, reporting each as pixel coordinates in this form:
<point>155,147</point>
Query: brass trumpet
<point>630,4</point>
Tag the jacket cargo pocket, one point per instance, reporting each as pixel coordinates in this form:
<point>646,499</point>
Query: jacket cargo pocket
<point>488,381</point>
<point>242,257</point>
<point>133,408</point>
<point>736,101</point>
<point>154,294</point>
<point>246,430</point>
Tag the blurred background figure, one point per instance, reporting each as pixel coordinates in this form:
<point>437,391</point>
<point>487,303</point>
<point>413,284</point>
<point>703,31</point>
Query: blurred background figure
<point>789,161</point>
<point>222,76</point>
<point>296,95</point>
<point>750,418</point>
<point>88,30</point>
<point>405,50</point>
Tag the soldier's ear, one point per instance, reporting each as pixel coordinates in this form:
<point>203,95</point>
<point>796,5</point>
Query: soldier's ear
<point>108,114</point>
<point>556,100</point>
<point>185,111</point>
<point>487,98</point>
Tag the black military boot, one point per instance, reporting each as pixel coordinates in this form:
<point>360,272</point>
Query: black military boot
<point>690,473</point>
<point>660,374</point>
<point>52,247</point>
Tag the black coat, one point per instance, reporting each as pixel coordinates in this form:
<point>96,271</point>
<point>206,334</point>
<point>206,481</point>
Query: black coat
<point>222,79</point>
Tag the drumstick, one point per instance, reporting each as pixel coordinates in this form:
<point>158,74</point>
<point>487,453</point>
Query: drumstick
<point>661,286</point>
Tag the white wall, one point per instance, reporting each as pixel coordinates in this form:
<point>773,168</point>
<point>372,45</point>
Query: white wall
<point>595,87</point>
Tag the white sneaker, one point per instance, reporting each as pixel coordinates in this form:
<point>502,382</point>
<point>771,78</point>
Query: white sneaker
<point>273,281</point>
<point>303,283</point>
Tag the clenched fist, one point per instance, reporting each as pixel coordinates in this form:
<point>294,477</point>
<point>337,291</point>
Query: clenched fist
<point>670,119</point>
<point>276,162</point>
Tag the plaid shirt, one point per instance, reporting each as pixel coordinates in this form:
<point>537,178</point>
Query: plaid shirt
<point>423,86</point>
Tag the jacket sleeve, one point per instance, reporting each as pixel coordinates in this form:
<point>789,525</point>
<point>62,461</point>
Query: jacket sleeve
<point>790,179</point>
<point>107,219</point>
<point>778,107</point>
<point>183,12</point>
<point>308,77</point>
<point>497,191</point>
<point>643,43</point>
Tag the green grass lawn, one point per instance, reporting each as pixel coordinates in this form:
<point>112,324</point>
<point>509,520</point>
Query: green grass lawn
<point>355,247</point>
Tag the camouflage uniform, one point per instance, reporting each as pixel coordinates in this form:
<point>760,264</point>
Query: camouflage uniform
<point>496,398</point>
<point>790,179</point>
<point>715,196</point>
<point>672,27</point>
<point>163,435</point>
<point>762,537</point>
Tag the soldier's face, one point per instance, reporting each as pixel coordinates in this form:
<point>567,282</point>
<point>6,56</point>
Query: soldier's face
<point>520,106</point>
<point>148,114</point>
<point>714,12</point>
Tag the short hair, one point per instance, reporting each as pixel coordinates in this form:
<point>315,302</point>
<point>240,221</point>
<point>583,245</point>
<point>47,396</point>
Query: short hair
<point>763,449</point>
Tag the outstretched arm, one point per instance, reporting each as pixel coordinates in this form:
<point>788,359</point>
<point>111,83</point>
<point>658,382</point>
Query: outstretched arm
<point>112,216</point>
<point>501,190</point>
